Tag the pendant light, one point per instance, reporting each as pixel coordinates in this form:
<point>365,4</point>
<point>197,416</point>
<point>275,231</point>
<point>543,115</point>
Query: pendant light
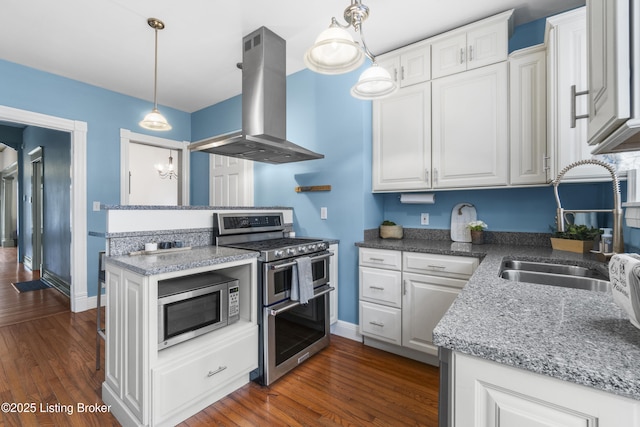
<point>335,52</point>
<point>154,120</point>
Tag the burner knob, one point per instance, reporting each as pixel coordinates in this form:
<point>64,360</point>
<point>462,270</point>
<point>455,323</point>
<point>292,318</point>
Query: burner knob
<point>302,249</point>
<point>291,251</point>
<point>322,246</point>
<point>312,247</point>
<point>278,254</point>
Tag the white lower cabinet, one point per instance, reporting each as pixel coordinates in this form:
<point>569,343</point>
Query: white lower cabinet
<point>381,322</point>
<point>488,394</point>
<point>197,377</point>
<point>426,300</point>
<point>403,296</point>
<point>148,386</point>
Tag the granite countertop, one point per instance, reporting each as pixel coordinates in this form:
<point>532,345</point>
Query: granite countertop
<point>570,334</point>
<point>202,256</point>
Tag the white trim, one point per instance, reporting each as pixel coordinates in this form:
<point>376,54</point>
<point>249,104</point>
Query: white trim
<point>126,137</point>
<point>78,208</point>
<point>346,330</point>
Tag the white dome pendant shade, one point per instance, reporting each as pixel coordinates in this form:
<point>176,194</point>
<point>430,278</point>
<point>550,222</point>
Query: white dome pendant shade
<point>155,121</point>
<point>374,83</point>
<point>334,52</point>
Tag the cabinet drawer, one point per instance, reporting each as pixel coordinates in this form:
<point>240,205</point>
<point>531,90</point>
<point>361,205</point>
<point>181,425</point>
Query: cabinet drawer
<point>439,265</point>
<point>381,286</point>
<point>191,379</point>
<point>380,258</point>
<point>381,322</point>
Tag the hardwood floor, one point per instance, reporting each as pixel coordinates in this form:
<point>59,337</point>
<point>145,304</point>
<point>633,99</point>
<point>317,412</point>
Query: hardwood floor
<point>48,360</point>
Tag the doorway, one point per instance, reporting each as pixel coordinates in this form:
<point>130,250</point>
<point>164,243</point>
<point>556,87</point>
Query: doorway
<point>37,210</point>
<point>77,202</point>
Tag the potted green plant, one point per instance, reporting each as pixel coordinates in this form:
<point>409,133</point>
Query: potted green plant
<point>477,231</point>
<point>390,230</point>
<point>575,238</point>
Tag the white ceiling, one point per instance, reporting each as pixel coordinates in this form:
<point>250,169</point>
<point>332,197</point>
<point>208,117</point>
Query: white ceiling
<point>107,43</point>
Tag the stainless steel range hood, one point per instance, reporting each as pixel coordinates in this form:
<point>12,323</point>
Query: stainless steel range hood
<point>264,93</point>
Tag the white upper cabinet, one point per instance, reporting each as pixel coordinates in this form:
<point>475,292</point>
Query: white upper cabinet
<point>402,140</point>
<point>410,65</point>
<point>609,67</point>
<point>470,128</point>
<point>472,46</point>
<point>566,38</point>
<point>528,109</point>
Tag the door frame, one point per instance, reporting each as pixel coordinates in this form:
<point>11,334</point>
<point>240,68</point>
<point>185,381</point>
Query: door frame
<point>37,207</point>
<point>78,200</point>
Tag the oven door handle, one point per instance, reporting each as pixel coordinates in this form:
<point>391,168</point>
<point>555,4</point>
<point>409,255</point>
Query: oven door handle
<point>292,263</point>
<point>292,304</point>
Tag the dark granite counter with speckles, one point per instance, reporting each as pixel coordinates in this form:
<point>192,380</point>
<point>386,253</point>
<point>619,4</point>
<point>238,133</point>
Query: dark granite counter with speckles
<point>570,334</point>
<point>202,256</point>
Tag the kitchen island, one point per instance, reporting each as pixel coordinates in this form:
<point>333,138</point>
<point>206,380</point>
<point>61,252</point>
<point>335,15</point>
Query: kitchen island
<point>147,384</point>
<point>566,336</point>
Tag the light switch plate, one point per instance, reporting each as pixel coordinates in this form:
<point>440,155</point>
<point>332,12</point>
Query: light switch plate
<point>96,206</point>
<point>323,213</point>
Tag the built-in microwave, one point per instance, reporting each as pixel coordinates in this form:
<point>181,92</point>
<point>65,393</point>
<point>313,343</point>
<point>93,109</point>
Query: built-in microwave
<point>193,305</point>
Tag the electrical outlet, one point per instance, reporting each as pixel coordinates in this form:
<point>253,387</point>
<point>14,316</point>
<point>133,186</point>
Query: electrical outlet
<point>424,219</point>
<point>323,213</point>
<point>96,206</point>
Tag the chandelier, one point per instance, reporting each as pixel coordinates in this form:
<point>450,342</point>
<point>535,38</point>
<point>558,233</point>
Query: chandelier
<point>167,171</point>
<point>335,52</point>
<point>154,120</point>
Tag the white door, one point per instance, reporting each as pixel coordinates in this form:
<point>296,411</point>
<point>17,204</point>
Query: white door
<point>470,128</point>
<point>231,182</point>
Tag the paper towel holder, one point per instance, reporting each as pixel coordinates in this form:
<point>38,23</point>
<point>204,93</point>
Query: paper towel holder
<point>418,198</point>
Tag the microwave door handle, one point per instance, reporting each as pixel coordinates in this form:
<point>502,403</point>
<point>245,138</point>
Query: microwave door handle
<point>275,312</point>
<point>292,263</point>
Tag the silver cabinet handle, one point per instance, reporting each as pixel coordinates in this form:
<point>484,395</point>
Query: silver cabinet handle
<point>545,162</point>
<point>380,324</point>
<point>377,288</point>
<point>217,371</point>
<point>574,95</point>
<point>436,266</point>
<point>470,53</point>
<point>376,259</point>
<point>426,176</point>
<point>404,287</point>
<point>461,55</point>
<point>435,176</point>
<point>395,75</point>
<point>402,73</point>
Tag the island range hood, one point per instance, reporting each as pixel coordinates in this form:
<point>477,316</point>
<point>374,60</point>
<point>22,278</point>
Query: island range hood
<point>264,93</point>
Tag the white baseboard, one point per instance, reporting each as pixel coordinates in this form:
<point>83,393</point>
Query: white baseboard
<point>346,330</point>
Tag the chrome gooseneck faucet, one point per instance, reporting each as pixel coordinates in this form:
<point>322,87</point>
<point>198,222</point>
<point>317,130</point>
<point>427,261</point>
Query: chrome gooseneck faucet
<point>618,243</point>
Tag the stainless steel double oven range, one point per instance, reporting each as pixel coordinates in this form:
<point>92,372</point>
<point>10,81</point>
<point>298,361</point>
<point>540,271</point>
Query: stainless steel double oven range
<point>290,332</point>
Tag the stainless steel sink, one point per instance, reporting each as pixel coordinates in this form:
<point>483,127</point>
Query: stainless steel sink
<point>566,276</point>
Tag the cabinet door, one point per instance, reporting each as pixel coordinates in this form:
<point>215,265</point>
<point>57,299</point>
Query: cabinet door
<point>391,63</point>
<point>470,128</point>
<point>415,65</point>
<point>609,69</point>
<point>486,45</point>
<point>449,54</point>
<point>401,140</point>
<point>567,66</point>
<point>488,394</point>
<point>426,299</point>
<point>528,104</point>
